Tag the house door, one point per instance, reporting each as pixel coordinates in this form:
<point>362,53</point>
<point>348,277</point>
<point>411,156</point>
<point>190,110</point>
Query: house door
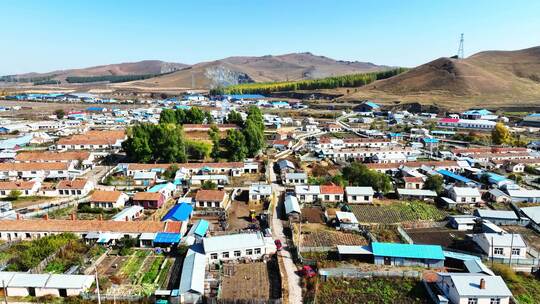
<point>62,292</point>
<point>387,261</point>
<point>31,291</point>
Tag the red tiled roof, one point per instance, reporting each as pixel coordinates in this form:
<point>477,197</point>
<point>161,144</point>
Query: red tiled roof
<point>72,184</point>
<point>147,196</point>
<point>413,179</point>
<point>51,156</point>
<point>100,196</point>
<point>33,166</point>
<point>330,189</point>
<point>81,226</point>
<point>210,195</point>
<point>18,185</point>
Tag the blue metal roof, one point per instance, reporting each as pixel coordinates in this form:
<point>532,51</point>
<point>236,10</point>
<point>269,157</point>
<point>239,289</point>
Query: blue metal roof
<point>180,212</point>
<point>457,177</point>
<point>167,238</point>
<point>372,104</point>
<point>414,251</point>
<point>201,228</point>
<point>478,112</point>
<point>11,143</point>
<point>460,256</point>
<point>428,140</point>
<point>245,96</point>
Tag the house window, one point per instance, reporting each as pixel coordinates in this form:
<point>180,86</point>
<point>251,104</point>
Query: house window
<point>237,253</point>
<point>354,197</point>
<point>213,256</point>
<point>327,197</point>
<point>366,198</point>
<point>474,199</point>
<point>495,301</point>
<point>336,197</point>
<point>201,204</point>
<point>257,250</point>
<point>225,255</point>
<point>472,301</point>
<point>463,200</point>
<point>249,251</point>
<point>498,251</point>
<point>516,251</point>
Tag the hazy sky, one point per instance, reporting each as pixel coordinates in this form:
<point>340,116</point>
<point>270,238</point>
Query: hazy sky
<point>44,35</point>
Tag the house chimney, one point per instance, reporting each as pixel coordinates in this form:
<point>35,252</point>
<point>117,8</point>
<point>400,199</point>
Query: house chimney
<point>100,217</point>
<point>73,216</point>
<point>46,216</point>
<point>482,284</point>
<point>127,218</point>
<point>18,216</point>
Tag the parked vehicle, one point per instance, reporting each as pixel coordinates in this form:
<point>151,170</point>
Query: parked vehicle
<point>278,244</point>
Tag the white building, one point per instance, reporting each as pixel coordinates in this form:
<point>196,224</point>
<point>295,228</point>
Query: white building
<point>501,245</point>
<point>295,178</point>
<point>258,192</point>
<point>359,195</point>
<point>237,246</point>
<point>465,195</point>
<point>473,288</point>
<point>307,193</point>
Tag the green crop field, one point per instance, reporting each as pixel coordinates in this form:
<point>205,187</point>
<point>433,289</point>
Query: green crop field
<point>398,212</point>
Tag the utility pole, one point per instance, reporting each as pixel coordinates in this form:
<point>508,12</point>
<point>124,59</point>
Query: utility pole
<point>97,288</point>
<point>460,52</point>
<point>5,291</point>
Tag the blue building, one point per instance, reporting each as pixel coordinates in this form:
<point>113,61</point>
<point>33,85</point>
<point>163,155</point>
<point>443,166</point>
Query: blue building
<point>407,254</point>
<point>180,213</point>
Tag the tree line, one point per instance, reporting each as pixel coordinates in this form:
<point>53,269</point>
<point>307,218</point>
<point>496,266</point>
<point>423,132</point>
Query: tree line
<point>353,80</point>
<point>111,78</point>
<point>166,143</point>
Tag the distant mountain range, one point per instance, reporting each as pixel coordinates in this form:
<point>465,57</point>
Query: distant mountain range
<point>231,70</point>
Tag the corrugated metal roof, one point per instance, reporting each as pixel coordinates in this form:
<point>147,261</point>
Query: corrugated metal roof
<point>179,212</point>
<point>193,271</point>
<point>467,284</point>
<point>233,241</point>
<point>69,281</point>
<point>415,251</point>
<point>167,238</point>
<point>291,204</point>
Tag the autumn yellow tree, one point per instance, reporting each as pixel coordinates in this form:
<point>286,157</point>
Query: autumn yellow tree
<point>500,135</point>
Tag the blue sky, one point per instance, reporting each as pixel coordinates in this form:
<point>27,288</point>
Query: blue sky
<point>46,35</point>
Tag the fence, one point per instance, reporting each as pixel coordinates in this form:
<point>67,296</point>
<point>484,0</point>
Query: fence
<point>325,273</point>
<point>113,298</point>
<point>404,235</point>
<point>41,266</point>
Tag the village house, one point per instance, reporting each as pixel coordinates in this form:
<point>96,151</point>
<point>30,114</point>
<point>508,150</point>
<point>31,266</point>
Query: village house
<point>148,200</point>
<point>108,199</point>
<point>307,193</point>
<point>413,182</point>
<point>346,220</point>
<point>407,254</point>
<point>292,207</point>
<point>130,213</point>
<point>473,288</point>
<point>359,195</point>
<point>22,284</point>
<point>331,193</point>
<point>237,246</point>
<point>210,198</point>
<point>145,178</point>
<point>258,192</point>
<point>465,195</point>
<point>524,195</point>
<point>76,187</point>
<point>296,178</point>
<point>83,159</point>
<point>28,171</point>
<point>501,245</point>
<point>24,188</point>
<point>93,140</point>
<point>31,229</point>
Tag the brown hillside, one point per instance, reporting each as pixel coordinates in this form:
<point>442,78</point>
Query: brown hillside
<point>486,78</point>
<point>232,70</point>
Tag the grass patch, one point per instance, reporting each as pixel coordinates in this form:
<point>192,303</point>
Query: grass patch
<point>374,290</point>
<point>28,254</point>
<point>524,287</point>
<point>398,212</point>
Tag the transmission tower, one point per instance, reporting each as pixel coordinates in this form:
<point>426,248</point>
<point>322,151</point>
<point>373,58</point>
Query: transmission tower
<point>460,53</point>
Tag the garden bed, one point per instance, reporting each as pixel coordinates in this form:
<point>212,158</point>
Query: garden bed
<point>398,212</point>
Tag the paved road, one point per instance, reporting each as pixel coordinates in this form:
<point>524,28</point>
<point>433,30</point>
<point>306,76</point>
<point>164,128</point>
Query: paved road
<point>293,279</point>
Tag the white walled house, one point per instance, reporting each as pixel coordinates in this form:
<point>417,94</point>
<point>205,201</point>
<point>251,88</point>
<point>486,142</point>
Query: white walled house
<point>465,195</point>
<point>501,245</point>
<point>237,246</point>
<point>307,193</point>
<point>359,195</point>
<point>295,179</point>
<point>210,199</point>
<point>473,288</point>
<point>330,193</point>
<point>78,187</point>
<point>108,199</point>
<point>258,192</point>
<point>19,284</point>
<point>25,188</point>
